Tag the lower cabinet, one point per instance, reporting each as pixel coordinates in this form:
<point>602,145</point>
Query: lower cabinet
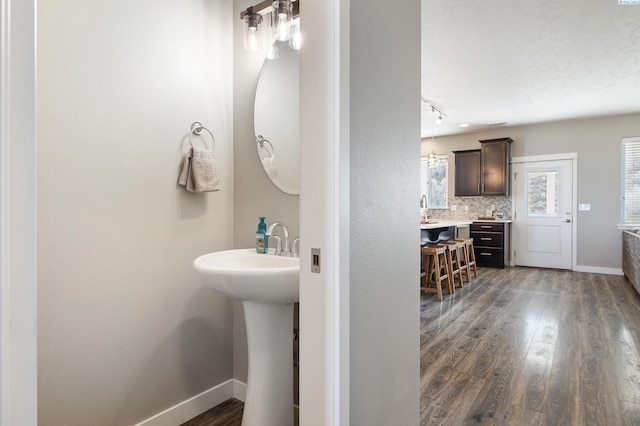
<point>489,244</point>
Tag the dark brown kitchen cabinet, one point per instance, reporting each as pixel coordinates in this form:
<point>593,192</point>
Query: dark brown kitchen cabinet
<point>495,165</point>
<point>489,244</point>
<point>484,171</point>
<point>467,172</point>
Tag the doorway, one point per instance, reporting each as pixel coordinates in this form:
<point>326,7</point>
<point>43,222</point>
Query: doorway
<point>543,204</point>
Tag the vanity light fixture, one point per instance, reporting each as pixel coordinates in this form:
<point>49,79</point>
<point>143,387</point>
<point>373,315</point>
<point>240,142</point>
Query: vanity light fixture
<point>281,19</point>
<point>252,36</point>
<point>296,38</point>
<point>282,14</point>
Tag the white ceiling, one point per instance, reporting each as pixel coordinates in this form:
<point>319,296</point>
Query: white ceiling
<point>527,61</point>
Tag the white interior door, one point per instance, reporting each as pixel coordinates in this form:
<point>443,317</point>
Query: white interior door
<point>543,228</point>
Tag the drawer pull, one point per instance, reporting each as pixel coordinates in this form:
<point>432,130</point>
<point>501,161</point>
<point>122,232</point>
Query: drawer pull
<point>485,226</point>
<point>485,254</point>
<point>486,239</point>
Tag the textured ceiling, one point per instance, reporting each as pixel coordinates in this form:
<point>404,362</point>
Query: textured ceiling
<point>522,62</point>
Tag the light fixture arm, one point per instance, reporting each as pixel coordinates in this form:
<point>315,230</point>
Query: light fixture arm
<point>265,6</point>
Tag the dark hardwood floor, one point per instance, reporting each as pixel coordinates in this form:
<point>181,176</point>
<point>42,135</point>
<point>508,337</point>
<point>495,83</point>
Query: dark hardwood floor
<point>523,346</point>
<point>229,413</point>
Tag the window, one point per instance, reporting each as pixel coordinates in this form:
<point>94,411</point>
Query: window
<point>543,193</point>
<point>630,209</point>
<point>433,180</point>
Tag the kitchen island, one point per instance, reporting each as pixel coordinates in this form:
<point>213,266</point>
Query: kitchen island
<point>435,231</point>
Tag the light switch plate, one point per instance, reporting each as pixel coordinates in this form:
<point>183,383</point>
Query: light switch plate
<point>584,207</point>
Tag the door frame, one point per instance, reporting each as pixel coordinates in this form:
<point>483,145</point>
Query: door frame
<point>18,359</point>
<point>324,214</point>
<point>573,156</point>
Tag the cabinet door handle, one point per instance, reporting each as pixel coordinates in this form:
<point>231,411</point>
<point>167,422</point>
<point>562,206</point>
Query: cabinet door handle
<point>485,254</point>
<point>486,239</point>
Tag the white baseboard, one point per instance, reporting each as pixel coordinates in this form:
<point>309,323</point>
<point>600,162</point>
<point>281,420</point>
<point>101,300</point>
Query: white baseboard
<point>198,404</point>
<point>239,390</point>
<point>599,270</point>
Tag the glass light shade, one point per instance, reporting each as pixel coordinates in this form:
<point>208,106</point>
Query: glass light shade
<point>252,36</point>
<point>282,10</point>
<point>273,52</point>
<point>296,38</point>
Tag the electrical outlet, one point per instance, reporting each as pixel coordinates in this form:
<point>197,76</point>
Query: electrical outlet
<point>466,208</point>
<point>454,208</point>
<point>584,207</point>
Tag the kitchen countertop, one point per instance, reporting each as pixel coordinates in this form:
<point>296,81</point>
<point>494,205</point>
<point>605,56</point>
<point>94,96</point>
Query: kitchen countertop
<point>444,223</point>
<point>437,223</point>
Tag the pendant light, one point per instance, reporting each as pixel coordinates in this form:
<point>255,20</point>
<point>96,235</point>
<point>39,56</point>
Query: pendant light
<point>432,158</point>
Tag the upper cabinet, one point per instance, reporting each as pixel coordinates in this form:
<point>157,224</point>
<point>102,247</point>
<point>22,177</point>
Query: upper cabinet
<point>467,173</point>
<point>484,171</point>
<point>495,164</point>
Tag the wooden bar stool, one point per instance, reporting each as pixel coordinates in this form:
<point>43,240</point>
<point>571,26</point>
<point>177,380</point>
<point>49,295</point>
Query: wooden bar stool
<point>435,267</point>
<point>469,257</point>
<point>454,260</point>
<point>465,268</point>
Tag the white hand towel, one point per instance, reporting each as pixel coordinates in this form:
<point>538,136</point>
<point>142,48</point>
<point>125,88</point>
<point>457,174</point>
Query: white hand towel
<point>270,167</point>
<point>199,172</point>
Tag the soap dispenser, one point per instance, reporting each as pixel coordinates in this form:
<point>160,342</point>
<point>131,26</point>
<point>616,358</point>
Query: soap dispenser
<point>262,241</point>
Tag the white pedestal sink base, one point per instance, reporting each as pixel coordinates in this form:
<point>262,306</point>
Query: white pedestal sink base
<point>269,400</point>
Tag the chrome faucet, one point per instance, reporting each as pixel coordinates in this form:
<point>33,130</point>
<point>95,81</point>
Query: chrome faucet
<point>285,231</point>
<point>295,251</point>
<point>423,201</point>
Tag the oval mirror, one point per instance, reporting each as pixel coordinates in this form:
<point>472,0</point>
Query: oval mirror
<point>276,118</point>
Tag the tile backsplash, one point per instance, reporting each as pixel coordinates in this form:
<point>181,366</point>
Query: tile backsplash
<point>472,207</point>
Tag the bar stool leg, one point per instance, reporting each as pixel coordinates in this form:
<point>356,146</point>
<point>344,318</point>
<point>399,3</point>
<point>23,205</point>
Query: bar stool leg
<point>472,258</point>
<point>465,258</point>
<point>436,275</point>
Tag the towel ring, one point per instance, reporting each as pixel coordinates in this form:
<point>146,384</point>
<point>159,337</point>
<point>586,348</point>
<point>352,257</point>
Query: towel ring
<point>261,140</point>
<point>196,129</point>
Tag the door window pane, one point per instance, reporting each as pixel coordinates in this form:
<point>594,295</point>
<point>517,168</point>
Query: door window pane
<point>543,192</point>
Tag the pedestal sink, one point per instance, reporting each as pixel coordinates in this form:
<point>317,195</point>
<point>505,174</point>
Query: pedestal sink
<point>268,285</point>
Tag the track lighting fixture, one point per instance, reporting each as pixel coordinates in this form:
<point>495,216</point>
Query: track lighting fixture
<point>437,113</point>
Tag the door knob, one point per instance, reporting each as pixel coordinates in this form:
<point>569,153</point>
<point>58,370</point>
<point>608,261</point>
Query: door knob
<point>567,220</point>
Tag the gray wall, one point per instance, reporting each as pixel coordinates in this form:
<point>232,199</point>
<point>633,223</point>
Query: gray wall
<point>597,142</point>
<point>385,177</point>
<point>125,328</point>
